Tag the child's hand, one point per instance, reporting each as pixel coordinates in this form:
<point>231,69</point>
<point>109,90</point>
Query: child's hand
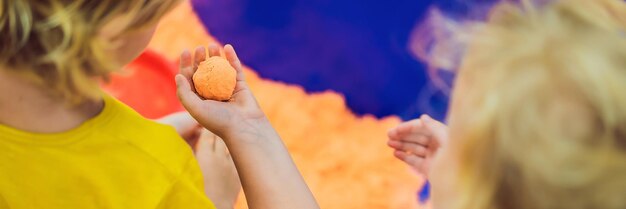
<point>269,177</point>
<point>416,142</point>
<point>221,180</point>
<point>241,114</point>
<point>187,127</point>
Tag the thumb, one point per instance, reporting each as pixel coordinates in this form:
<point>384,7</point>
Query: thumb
<point>187,97</point>
<point>436,128</point>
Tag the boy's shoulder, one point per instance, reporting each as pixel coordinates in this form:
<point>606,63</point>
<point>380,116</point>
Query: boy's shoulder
<point>161,142</point>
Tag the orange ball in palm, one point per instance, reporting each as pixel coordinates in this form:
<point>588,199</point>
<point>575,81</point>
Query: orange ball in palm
<point>215,79</point>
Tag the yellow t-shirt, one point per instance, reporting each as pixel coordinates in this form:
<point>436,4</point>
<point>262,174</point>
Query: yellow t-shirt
<point>116,160</point>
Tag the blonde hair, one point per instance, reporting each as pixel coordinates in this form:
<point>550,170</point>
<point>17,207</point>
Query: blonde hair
<point>56,43</point>
<point>538,118</point>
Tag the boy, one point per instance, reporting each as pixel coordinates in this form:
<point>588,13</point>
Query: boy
<point>64,143</point>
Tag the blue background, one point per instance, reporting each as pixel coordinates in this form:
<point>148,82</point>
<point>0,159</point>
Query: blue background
<point>359,48</point>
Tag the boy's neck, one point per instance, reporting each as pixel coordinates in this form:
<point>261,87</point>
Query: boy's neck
<point>26,107</point>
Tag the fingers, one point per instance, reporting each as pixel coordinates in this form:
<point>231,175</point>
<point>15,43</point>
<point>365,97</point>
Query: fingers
<point>199,56</point>
<point>409,147</point>
<point>186,66</point>
<point>231,56</point>
<point>404,129</point>
<point>412,160</point>
<point>187,97</point>
<point>411,131</point>
<point>242,92</point>
<point>214,50</point>
<point>410,126</point>
<point>438,129</point>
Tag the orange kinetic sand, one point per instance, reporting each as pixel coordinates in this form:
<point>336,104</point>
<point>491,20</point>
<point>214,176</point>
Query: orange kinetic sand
<point>215,79</point>
<point>342,157</point>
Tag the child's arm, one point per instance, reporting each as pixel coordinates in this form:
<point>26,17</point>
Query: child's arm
<point>268,175</point>
<point>186,126</point>
<point>416,142</point>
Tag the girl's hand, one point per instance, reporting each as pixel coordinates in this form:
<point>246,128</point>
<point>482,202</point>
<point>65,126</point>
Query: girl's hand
<point>241,114</point>
<point>416,142</point>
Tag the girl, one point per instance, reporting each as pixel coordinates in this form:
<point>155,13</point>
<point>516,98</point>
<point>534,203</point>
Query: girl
<point>536,120</point>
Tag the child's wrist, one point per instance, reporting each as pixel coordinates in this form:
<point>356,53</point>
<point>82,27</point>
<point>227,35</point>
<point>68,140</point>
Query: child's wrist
<point>252,131</point>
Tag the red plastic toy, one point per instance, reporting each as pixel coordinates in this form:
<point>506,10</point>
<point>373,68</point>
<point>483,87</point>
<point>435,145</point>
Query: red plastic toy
<point>147,85</point>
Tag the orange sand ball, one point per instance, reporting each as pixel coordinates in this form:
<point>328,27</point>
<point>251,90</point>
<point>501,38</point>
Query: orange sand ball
<point>215,79</point>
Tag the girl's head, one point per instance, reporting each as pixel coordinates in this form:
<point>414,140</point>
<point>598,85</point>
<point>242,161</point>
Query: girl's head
<point>538,116</point>
<point>65,46</point>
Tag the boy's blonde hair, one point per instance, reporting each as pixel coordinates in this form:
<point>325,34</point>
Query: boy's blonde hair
<point>57,45</point>
<point>539,111</point>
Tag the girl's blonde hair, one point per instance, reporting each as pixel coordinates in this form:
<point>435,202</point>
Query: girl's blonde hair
<point>539,109</point>
<point>57,45</point>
